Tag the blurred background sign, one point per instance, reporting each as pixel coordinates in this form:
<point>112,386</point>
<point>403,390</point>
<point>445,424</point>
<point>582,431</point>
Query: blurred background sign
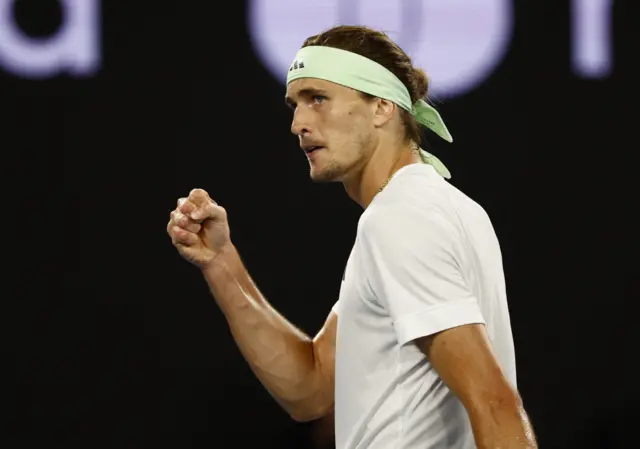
<point>460,41</point>
<point>136,103</point>
<point>73,48</point>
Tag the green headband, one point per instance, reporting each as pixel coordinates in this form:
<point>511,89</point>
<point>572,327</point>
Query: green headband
<point>362,74</point>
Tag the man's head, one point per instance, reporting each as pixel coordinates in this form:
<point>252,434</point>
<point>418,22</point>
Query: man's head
<point>348,124</point>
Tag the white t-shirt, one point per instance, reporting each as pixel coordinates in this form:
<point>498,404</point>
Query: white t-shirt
<point>426,259</point>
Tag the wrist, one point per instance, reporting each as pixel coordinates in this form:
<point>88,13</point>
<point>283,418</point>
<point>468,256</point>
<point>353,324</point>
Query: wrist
<point>222,262</point>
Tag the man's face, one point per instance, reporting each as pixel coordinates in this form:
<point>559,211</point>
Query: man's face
<point>335,127</point>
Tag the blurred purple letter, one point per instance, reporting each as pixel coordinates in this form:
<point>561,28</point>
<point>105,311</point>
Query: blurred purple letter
<point>458,42</point>
<point>74,48</point>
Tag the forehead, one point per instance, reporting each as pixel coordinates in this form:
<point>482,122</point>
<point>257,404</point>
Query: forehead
<point>303,86</point>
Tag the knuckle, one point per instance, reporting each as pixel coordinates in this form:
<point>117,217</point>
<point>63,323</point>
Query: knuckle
<point>209,211</point>
<point>197,193</point>
<point>186,206</point>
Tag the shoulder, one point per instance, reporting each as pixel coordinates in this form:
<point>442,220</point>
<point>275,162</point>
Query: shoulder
<point>414,215</point>
<point>409,235</point>
<point>421,198</point>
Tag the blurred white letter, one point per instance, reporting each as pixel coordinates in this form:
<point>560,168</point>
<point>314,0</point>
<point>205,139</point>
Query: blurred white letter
<point>75,47</point>
<point>459,43</point>
<point>591,37</point>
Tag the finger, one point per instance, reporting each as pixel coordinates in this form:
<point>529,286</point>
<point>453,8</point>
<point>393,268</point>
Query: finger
<point>183,237</point>
<point>185,206</point>
<point>199,197</point>
<point>209,211</point>
<point>192,212</point>
<point>183,221</point>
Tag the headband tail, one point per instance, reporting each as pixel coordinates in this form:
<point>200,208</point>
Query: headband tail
<point>429,117</point>
<point>439,167</point>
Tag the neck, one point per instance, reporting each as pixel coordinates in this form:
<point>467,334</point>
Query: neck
<point>384,162</point>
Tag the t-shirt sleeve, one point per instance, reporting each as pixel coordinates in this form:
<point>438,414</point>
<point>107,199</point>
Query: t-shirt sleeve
<point>412,261</point>
<point>336,307</point>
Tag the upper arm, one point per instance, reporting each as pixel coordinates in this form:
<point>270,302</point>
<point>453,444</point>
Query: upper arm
<point>466,363</point>
<point>324,349</point>
<point>324,344</point>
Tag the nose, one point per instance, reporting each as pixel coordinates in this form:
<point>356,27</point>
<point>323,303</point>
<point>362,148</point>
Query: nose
<point>300,125</point>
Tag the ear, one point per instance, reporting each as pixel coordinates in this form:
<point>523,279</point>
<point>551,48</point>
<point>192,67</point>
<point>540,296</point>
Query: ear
<point>383,111</point>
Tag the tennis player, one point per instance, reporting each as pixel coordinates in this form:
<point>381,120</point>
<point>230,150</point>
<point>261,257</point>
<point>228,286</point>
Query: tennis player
<point>418,350</point>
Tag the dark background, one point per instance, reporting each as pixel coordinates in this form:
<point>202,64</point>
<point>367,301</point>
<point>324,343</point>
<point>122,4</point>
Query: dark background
<point>137,355</point>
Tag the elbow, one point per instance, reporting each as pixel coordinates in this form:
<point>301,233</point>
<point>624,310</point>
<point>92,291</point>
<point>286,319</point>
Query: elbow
<point>303,417</point>
<point>317,398</point>
<point>310,413</point>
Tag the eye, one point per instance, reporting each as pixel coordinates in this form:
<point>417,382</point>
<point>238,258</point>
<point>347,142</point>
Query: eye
<point>319,98</point>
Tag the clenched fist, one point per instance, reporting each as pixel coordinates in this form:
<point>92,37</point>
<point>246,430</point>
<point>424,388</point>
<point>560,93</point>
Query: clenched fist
<point>199,229</point>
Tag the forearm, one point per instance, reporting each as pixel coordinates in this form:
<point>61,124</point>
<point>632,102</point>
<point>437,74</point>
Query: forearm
<point>501,425</point>
<point>281,356</point>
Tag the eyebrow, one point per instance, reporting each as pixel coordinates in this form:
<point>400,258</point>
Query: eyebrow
<point>307,92</point>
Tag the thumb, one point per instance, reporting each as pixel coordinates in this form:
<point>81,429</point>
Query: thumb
<point>209,210</point>
<point>213,215</point>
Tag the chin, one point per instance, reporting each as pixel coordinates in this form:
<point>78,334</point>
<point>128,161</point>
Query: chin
<point>326,174</point>
<point>320,177</point>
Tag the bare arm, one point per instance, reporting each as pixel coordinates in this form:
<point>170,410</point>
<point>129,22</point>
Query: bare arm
<point>296,370</point>
<point>465,361</point>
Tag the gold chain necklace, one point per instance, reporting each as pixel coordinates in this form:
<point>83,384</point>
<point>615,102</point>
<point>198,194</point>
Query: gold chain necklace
<point>387,181</point>
<point>384,184</point>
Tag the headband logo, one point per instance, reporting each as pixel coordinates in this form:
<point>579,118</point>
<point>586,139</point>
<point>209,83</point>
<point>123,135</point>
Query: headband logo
<point>296,65</point>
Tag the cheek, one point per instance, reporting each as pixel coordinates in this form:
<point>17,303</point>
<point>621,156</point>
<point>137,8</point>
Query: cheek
<point>358,128</point>
<point>351,124</point>
<point>346,128</point>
